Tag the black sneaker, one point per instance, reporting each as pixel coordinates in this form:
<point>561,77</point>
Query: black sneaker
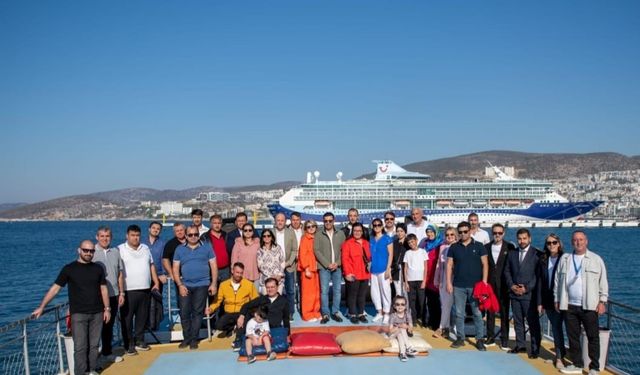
<point>235,346</point>
<point>480,345</point>
<point>271,356</point>
<point>143,347</point>
<point>251,358</point>
<point>131,351</point>
<point>183,345</point>
<point>403,357</point>
<point>325,319</point>
<point>457,344</point>
<point>336,317</point>
<point>363,319</point>
<point>193,345</point>
<point>490,342</point>
<point>291,318</point>
<point>354,319</point>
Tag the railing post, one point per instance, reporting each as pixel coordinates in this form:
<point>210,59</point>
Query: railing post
<point>59,341</point>
<point>25,349</point>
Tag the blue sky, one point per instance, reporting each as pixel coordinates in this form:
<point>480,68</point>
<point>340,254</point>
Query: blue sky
<point>106,95</point>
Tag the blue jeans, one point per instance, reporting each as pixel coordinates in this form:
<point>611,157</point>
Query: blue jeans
<point>556,320</point>
<point>460,297</point>
<point>191,312</point>
<point>335,277</point>
<point>290,290</point>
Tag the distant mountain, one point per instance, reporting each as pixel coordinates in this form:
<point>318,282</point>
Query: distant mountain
<point>110,204</point>
<point>10,206</point>
<point>527,165</point>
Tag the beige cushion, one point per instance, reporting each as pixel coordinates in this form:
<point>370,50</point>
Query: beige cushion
<point>416,342</point>
<point>361,341</point>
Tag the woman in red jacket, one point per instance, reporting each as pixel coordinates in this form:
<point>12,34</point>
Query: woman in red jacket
<point>355,267</point>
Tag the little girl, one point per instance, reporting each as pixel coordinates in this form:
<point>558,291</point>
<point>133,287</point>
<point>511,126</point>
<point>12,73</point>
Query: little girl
<point>258,333</point>
<point>400,327</point>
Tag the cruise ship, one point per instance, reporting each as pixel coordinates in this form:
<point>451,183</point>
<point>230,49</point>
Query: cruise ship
<point>503,199</point>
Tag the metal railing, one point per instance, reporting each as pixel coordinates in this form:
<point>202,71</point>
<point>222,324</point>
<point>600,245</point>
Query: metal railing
<point>35,346</point>
<point>623,322</point>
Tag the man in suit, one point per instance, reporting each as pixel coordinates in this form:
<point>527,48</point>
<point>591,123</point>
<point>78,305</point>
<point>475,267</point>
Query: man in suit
<point>286,238</point>
<point>498,251</point>
<point>521,274</point>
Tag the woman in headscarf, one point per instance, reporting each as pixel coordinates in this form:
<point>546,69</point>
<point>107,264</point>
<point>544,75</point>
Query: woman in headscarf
<point>431,244</point>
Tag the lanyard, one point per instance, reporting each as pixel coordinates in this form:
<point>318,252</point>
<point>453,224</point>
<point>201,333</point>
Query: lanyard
<point>575,266</point>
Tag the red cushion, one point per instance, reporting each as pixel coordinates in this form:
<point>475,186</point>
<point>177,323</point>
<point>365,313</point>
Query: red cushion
<point>314,343</point>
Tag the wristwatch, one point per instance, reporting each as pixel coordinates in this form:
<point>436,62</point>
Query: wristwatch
<point>107,308</point>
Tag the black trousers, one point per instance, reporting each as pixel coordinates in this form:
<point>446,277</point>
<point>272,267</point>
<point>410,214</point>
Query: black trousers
<point>356,296</point>
<point>525,309</point>
<point>575,317</point>
<point>227,321</point>
<point>434,310</point>
<point>107,328</point>
<point>504,301</point>
<point>154,306</point>
<point>134,314</point>
<point>416,300</point>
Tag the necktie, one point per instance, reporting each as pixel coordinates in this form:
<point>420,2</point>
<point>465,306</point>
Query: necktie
<point>522,255</point>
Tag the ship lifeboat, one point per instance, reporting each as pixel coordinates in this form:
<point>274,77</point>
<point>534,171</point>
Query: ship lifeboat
<point>461,203</point>
<point>496,202</point>
<point>528,201</point>
<point>322,204</point>
<point>402,204</point>
<point>479,203</point>
<point>513,202</point>
<point>443,203</point>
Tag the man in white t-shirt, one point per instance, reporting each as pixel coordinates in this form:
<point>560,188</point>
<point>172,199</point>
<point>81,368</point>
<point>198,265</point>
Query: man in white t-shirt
<point>139,272</point>
<point>581,293</point>
<point>477,233</point>
<point>418,225</point>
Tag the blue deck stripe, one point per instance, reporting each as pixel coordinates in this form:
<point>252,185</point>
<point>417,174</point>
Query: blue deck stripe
<point>442,361</point>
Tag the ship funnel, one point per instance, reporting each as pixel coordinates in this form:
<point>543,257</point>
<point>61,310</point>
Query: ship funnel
<point>309,177</point>
<point>339,176</point>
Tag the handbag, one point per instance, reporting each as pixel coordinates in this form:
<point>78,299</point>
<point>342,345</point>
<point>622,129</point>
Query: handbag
<point>367,263</point>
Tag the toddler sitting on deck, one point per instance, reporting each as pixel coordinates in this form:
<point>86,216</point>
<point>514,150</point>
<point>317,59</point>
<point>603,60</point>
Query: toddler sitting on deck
<point>258,333</point>
<point>400,327</point>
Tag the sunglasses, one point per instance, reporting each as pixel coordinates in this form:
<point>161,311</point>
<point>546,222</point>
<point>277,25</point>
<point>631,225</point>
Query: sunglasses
<point>311,226</point>
<point>552,242</point>
<point>192,234</point>
<point>266,236</point>
<point>247,230</point>
<point>463,231</point>
<point>389,218</point>
<point>377,225</point>
<point>498,233</point>
<point>88,250</point>
<point>328,221</point>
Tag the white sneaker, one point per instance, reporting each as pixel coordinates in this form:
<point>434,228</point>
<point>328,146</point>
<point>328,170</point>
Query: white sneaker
<point>313,320</point>
<point>377,318</point>
<point>385,320</point>
<point>571,369</point>
<point>594,372</point>
<point>114,358</point>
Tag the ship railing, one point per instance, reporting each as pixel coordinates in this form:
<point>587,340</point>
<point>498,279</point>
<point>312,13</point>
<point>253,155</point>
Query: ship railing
<point>37,346</point>
<point>623,325</point>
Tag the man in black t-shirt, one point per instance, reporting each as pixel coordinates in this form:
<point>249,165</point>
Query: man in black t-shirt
<point>88,303</point>
<point>467,264</point>
<point>179,238</point>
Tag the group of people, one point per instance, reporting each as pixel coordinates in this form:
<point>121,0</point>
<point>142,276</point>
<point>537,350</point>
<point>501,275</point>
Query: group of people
<point>415,274</point>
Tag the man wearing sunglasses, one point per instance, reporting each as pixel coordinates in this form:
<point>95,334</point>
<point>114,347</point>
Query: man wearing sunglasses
<point>498,250</point>
<point>196,272</point>
<point>467,264</point>
<point>327,246</point>
<point>88,303</point>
